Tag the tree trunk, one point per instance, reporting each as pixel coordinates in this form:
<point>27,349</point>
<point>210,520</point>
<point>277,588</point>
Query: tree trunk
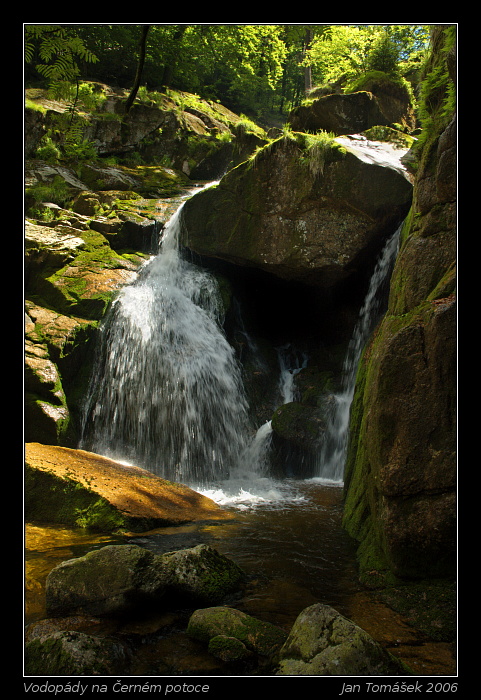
<point>307,69</point>
<point>140,67</point>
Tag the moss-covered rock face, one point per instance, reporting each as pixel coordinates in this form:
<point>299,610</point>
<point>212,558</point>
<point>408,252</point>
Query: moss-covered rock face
<point>401,469</point>
<point>193,136</point>
<point>302,209</point>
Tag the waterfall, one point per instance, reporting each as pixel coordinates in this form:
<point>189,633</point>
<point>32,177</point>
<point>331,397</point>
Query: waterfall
<point>167,392</point>
<point>290,363</point>
<point>333,453</point>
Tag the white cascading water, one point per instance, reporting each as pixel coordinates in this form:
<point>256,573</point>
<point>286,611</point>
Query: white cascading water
<point>290,363</point>
<point>333,453</point>
<point>167,391</point>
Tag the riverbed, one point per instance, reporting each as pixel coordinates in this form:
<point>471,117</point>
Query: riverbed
<point>288,539</point>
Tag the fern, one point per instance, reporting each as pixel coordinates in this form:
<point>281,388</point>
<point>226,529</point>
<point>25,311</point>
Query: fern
<point>58,51</point>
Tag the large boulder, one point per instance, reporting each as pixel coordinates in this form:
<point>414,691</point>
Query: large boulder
<point>122,580</point>
<point>376,100</point>
<point>111,581</point>
<point>339,114</point>
<point>308,213</point>
<point>324,643</point>
<point>83,489</point>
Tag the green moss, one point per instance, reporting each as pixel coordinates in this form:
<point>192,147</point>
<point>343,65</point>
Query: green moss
<point>374,80</point>
<point>48,656</point>
<point>50,498</point>
<point>257,635</point>
<point>390,135</point>
<point>430,606</point>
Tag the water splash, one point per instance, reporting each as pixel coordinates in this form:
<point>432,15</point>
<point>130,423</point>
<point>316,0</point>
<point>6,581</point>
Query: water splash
<point>333,453</point>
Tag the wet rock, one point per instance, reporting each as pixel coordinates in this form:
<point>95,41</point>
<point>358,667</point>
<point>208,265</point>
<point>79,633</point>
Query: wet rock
<point>71,653</point>
<point>324,643</point>
<point>123,580</point>
<point>263,638</point>
<point>310,215</point>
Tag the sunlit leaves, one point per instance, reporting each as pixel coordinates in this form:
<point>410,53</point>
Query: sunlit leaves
<point>58,50</point>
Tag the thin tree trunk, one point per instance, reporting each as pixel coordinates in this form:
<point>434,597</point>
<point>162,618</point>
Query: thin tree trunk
<point>307,69</point>
<point>140,67</point>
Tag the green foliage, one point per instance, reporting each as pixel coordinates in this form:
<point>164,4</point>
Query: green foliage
<point>437,101</point>
<point>354,49</point>
<point>384,55</point>
<point>258,69</point>
<point>58,49</point>
<point>48,150</point>
<point>57,192</point>
<point>319,149</point>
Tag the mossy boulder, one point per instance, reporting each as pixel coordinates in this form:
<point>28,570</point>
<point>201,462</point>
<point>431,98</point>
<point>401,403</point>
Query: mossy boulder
<point>111,581</point>
<point>303,211</point>
<point>324,643</point>
<point>338,114</point>
<point>302,425</point>
<point>261,637</point>
<point>71,653</point>
<point>201,574</point>
<point>124,580</point>
<point>375,99</point>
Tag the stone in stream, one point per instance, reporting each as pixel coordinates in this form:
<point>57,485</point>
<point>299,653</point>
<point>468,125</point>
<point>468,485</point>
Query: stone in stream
<point>123,580</point>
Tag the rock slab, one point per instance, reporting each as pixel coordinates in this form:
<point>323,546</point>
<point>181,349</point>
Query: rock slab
<point>85,489</point>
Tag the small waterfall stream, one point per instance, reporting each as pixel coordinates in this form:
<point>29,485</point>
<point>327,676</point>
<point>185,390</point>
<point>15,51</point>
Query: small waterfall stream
<point>333,453</point>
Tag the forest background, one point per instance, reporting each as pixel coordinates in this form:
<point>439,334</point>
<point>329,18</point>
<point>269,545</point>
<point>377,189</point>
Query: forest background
<point>262,71</point>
